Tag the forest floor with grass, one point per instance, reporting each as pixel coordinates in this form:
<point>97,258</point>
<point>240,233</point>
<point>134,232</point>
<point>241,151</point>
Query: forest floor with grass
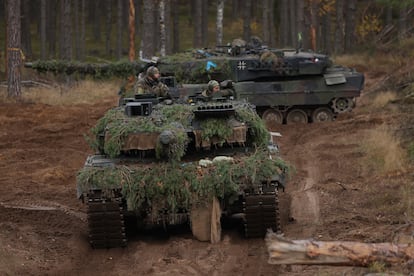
<point>353,181</point>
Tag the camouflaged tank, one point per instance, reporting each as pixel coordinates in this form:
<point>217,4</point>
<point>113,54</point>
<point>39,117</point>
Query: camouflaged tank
<point>286,86</point>
<point>180,162</point>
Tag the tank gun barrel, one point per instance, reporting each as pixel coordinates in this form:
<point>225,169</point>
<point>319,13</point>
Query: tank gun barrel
<point>99,70</point>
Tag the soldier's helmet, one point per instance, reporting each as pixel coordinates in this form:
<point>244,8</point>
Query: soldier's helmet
<point>152,70</point>
<point>211,84</point>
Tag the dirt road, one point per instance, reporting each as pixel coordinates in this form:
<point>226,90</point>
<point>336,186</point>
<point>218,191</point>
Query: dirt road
<point>331,196</point>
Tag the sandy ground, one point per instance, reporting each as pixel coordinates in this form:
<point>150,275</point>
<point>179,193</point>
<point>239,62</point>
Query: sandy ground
<point>329,197</point>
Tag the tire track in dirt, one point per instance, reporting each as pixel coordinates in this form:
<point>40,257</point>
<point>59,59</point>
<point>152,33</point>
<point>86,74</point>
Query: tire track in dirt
<point>304,200</point>
<point>44,206</point>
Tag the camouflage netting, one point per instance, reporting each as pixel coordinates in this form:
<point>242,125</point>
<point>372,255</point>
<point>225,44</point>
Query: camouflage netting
<point>175,186</point>
<point>122,133</point>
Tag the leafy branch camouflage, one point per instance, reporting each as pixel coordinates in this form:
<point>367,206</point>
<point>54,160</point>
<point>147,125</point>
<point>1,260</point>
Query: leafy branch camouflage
<point>174,185</point>
<point>177,118</point>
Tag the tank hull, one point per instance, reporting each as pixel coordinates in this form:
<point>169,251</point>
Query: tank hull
<point>306,94</point>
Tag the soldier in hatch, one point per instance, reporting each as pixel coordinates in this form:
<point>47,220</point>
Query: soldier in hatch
<point>151,84</point>
<point>213,91</point>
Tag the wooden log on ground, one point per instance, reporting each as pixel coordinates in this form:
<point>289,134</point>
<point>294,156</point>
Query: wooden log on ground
<point>310,252</point>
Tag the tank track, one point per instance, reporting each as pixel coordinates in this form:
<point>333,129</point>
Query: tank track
<point>261,213</point>
<point>105,221</point>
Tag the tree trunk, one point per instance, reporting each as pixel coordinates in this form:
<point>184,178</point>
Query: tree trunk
<point>350,25</point>
<point>293,27</point>
<point>138,16</point>
<point>326,32</point>
<point>168,29</point>
<point>176,27</point>
<point>76,13</point>
<point>148,39</point>
<point>51,26</point>
<point>119,30</point>
<point>162,28</point>
<point>301,26</point>
<point>284,23</point>
<point>96,20</point>
<point>204,24</point>
<point>198,24</point>
<point>14,53</point>
<point>3,9</point>
<point>247,17</point>
<point>131,54</point>
<point>235,8</point>
<point>339,33</point>
<point>157,28</point>
<point>272,29</point>
<point>25,25</point>
<point>66,30</point>
<point>43,29</point>
<point>265,21</point>
<point>309,252</point>
<point>314,27</point>
<point>219,22</point>
<point>108,27</point>
<point>82,30</point>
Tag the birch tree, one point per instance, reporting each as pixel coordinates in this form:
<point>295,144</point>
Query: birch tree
<point>219,22</point>
<point>162,28</point>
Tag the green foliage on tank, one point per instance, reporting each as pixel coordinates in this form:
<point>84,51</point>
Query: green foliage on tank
<point>179,154</point>
<point>178,185</point>
<point>111,132</point>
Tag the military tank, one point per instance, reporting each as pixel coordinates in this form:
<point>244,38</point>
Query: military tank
<point>165,163</point>
<point>285,85</point>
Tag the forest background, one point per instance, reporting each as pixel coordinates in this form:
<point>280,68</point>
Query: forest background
<point>97,31</point>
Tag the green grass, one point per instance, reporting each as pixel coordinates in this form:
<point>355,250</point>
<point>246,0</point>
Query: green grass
<point>383,152</point>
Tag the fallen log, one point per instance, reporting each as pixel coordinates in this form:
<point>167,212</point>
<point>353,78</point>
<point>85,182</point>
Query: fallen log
<point>310,252</point>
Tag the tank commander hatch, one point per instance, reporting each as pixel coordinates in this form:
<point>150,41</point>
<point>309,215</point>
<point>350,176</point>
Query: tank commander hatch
<point>151,84</point>
<point>214,91</point>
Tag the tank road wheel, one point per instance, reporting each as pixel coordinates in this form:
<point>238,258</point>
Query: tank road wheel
<point>322,114</point>
<point>297,116</point>
<point>261,213</point>
<point>105,222</point>
<point>272,117</point>
<point>341,105</point>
